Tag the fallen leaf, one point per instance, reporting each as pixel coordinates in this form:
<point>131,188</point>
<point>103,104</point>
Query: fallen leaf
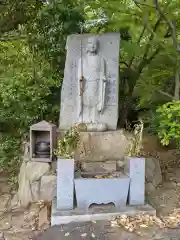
<point>99,177</point>
<point>143,226</point>
<point>84,235</point>
<point>131,229</point>
<point>114,223</point>
<point>67,234</point>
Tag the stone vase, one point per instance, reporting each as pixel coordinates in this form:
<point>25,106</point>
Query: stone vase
<point>135,169</point>
<point>65,184</point>
<point>101,191</point>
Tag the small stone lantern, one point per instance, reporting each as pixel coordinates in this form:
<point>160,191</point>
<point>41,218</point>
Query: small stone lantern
<point>42,141</point>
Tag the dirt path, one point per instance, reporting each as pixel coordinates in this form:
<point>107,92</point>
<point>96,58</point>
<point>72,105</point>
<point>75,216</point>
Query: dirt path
<point>16,223</point>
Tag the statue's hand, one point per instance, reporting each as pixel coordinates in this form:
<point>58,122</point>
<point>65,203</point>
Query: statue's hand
<point>104,79</point>
<point>99,107</point>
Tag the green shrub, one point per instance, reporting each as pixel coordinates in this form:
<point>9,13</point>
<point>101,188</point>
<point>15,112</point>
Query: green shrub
<point>49,31</point>
<point>25,88</point>
<point>31,73</point>
<point>168,123</point>
<point>10,147</point>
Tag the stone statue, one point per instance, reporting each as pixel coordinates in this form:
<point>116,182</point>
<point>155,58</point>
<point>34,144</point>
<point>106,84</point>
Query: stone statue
<point>92,85</point>
<point>90,89</point>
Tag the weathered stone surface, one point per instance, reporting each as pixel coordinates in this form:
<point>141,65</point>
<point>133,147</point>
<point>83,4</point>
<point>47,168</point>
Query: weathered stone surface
<point>135,168</point>
<point>100,78</point>
<point>104,146</point>
<point>24,191</point>
<point>48,188</point>
<point>153,171</point>
<point>65,184</point>
<point>35,170</point>
<point>101,191</point>
<point>35,190</point>
<point>149,188</point>
<point>120,164</point>
<point>29,177</point>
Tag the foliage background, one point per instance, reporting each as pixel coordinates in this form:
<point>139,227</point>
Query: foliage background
<point>32,60</point>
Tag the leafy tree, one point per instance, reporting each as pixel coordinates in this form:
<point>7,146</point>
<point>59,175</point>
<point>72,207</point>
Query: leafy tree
<point>151,56</point>
<point>25,82</point>
<point>17,12</point>
<point>32,59</point>
<point>49,31</point>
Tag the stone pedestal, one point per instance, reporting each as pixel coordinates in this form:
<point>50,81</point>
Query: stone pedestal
<point>102,146</point>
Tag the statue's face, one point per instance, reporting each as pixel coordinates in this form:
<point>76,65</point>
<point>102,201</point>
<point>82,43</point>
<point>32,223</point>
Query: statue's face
<point>92,45</point>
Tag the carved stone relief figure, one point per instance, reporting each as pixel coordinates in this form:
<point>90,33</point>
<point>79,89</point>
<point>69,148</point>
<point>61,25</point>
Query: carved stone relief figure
<point>92,85</point>
<point>89,93</point>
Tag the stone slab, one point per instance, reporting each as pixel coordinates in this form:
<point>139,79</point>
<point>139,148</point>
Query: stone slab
<point>101,191</point>
<point>65,184</point>
<point>135,167</point>
<point>109,51</point>
<point>64,217</point>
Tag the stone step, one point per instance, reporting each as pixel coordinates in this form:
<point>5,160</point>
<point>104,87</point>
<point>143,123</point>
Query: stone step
<point>93,214</point>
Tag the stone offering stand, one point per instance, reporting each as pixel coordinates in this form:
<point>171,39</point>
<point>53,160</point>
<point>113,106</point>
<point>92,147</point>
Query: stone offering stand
<point>77,192</point>
<point>101,190</point>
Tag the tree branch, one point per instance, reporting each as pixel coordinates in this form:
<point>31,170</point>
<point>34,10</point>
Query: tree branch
<point>124,63</point>
<point>170,24</point>
<point>147,61</point>
<point>166,94</point>
<point>151,37</point>
<point>142,4</point>
<point>139,40</point>
<point>154,54</point>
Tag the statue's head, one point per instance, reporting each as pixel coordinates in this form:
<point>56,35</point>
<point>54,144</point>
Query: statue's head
<point>92,45</point>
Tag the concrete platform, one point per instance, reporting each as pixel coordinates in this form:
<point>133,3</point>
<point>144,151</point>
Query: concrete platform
<point>64,217</point>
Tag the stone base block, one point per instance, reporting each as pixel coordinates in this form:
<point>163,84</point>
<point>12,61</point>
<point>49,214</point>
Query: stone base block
<point>102,146</point>
<point>64,217</point>
<point>101,191</point>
